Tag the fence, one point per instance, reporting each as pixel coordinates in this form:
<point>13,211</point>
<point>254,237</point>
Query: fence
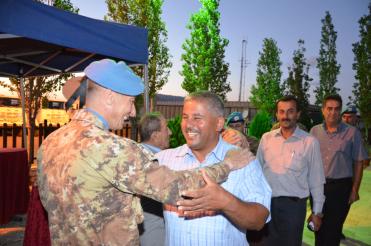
<point>11,135</point>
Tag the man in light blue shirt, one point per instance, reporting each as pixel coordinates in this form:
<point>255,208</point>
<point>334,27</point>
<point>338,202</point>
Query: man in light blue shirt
<point>216,215</point>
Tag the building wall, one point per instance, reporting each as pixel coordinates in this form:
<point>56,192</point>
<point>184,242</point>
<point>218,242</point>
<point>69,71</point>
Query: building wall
<point>171,109</point>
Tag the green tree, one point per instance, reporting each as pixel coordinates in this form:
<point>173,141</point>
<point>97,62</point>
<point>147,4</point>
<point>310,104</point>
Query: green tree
<point>298,82</point>
<point>326,62</point>
<point>38,88</point>
<point>260,124</point>
<point>146,13</point>
<point>177,138</point>
<point>204,67</point>
<point>268,88</point>
<point>66,5</point>
<point>362,67</point>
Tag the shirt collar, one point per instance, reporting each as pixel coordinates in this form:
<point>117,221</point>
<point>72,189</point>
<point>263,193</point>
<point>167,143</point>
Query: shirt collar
<point>298,133</point>
<point>92,116</point>
<point>151,148</point>
<point>217,151</point>
<point>339,128</point>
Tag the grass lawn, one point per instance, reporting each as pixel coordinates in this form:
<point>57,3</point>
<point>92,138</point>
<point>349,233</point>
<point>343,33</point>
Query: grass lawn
<point>358,224</point>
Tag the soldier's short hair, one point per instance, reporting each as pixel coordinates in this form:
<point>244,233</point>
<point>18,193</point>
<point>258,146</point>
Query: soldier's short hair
<point>150,123</point>
<point>214,102</point>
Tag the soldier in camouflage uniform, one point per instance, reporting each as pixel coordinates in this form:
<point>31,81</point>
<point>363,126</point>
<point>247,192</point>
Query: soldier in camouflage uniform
<point>88,176</point>
<point>235,133</point>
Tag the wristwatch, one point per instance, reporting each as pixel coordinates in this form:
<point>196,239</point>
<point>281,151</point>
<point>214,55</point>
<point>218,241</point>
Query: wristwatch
<point>318,214</point>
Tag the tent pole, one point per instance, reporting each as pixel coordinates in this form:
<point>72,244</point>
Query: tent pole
<point>21,82</point>
<point>146,89</point>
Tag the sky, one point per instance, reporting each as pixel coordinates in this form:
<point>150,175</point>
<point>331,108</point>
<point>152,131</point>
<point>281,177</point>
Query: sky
<point>286,21</point>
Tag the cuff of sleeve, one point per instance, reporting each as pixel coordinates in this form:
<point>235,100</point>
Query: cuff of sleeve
<point>317,207</point>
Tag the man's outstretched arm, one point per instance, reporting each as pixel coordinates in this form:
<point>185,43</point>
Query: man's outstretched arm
<point>140,175</point>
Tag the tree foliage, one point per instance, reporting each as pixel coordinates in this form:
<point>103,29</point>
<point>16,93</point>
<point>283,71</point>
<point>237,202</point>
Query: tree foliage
<point>298,82</point>
<point>146,13</point>
<point>362,67</point>
<point>66,5</point>
<point>260,124</point>
<point>326,62</point>
<point>268,87</point>
<point>203,66</point>
<point>177,138</point>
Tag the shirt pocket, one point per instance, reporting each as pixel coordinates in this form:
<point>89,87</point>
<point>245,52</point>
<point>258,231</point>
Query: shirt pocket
<point>297,163</point>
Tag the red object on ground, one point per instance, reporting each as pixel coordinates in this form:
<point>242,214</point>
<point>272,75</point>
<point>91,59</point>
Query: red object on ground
<point>14,177</point>
<point>37,227</point>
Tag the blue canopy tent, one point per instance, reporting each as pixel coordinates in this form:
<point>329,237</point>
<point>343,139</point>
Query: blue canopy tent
<point>39,40</point>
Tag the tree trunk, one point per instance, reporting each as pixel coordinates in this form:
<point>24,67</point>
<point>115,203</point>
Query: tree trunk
<point>32,142</point>
<point>152,104</point>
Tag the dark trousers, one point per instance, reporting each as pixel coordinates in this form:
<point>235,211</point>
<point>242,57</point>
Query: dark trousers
<point>337,192</point>
<point>286,225</point>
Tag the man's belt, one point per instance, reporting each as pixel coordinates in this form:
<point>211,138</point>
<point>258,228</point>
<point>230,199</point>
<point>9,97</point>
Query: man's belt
<point>292,198</point>
<point>337,181</point>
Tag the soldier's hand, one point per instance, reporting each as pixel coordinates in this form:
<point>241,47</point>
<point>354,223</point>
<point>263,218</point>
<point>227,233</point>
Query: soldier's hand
<point>206,200</point>
<point>235,137</point>
<point>238,158</point>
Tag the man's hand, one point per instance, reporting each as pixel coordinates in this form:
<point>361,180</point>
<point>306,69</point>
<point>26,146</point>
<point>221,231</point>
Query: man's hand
<point>317,221</point>
<point>235,137</point>
<point>354,196</point>
<point>238,158</point>
<point>211,197</point>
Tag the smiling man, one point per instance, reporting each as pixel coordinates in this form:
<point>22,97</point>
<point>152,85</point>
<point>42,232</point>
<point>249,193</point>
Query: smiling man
<point>292,164</point>
<point>216,215</point>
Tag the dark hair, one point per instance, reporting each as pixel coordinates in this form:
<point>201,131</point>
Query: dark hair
<point>335,97</point>
<point>149,124</point>
<point>289,98</point>
<point>214,102</point>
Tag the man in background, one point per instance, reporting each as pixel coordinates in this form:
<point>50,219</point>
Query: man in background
<point>342,157</point>
<point>349,116</point>
<point>236,121</point>
<point>154,135</point>
<point>291,161</point>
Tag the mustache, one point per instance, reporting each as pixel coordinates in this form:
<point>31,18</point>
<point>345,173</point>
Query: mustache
<point>285,119</point>
<point>191,130</point>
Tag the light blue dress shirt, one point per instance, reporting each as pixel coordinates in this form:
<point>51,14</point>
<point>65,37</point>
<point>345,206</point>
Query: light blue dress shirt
<point>248,184</point>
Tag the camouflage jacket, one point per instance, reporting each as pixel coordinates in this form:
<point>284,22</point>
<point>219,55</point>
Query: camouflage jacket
<point>88,178</point>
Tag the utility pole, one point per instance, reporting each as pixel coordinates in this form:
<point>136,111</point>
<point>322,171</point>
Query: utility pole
<point>243,71</point>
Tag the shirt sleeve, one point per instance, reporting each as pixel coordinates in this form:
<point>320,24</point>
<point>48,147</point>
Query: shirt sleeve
<point>137,172</point>
<point>316,177</point>
<point>254,186</point>
<point>359,152</point>
<point>259,152</point>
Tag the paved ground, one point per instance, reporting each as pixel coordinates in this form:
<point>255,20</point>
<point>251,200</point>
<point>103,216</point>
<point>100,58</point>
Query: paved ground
<point>357,227</point>
<point>11,234</point>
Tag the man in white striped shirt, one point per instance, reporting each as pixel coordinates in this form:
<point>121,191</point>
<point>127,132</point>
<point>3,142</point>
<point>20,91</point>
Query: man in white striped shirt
<point>216,215</point>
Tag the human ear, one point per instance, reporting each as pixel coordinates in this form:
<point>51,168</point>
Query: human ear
<point>220,124</point>
<point>109,97</point>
